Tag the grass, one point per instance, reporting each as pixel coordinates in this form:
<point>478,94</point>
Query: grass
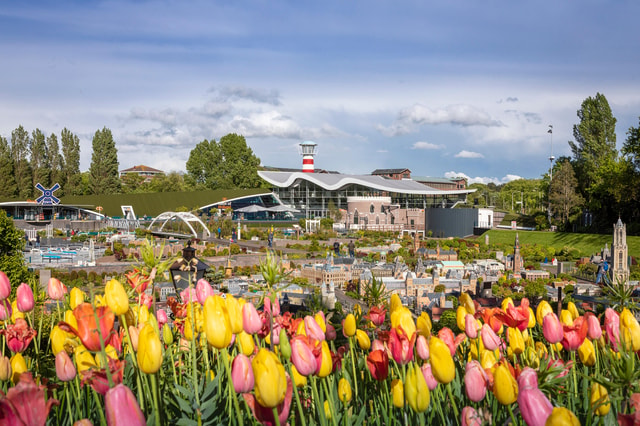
<point>587,244</point>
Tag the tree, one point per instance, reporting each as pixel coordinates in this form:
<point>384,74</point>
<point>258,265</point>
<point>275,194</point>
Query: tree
<point>54,160</point>
<point>171,182</point>
<point>227,164</point>
<point>563,198</point>
<point>21,169</point>
<point>38,159</point>
<point>11,245</point>
<point>71,180</point>
<point>631,154</point>
<point>8,187</point>
<point>103,172</point>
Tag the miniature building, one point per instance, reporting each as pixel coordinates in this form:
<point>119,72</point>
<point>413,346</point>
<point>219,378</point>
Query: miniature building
<point>619,254</point>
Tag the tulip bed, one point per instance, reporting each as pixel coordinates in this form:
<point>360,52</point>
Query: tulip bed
<point>109,359</point>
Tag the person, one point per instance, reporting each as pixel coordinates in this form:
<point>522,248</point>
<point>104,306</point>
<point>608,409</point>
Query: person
<point>600,272</point>
<point>352,249</point>
<point>233,235</point>
<point>336,248</point>
<point>219,232</point>
<point>38,240</point>
<point>270,239</point>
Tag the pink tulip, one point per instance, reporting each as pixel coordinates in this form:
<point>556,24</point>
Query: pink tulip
<point>330,334</point>
<point>475,381</point>
<point>161,316</point>
<point>203,290</point>
<point>490,339</point>
<point>302,355</point>
<point>535,407</point>
<point>552,328</point>
<point>313,329</point>
<point>447,336</point>
<point>251,321</point>
<point>470,417</point>
<point>432,383</point>
<point>188,295</point>
<point>275,309</point>
<point>377,315</point>
<point>242,374</point>
<point>121,407</point>
<point>24,298</point>
<point>612,327</point>
<point>5,310</point>
<point>422,347</point>
<point>470,326</point>
<point>146,300</point>
<point>65,370</point>
<point>5,286</point>
<point>55,289</point>
<point>594,330</point>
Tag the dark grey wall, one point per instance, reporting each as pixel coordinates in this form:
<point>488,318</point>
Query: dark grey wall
<point>450,222</point>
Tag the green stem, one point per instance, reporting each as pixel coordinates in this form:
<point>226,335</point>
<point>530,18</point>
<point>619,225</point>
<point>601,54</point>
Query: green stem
<point>297,397</point>
<point>453,400</point>
<point>513,418</point>
<point>154,387</point>
<point>353,367</point>
<point>234,397</point>
<point>99,407</point>
<point>275,416</point>
<point>68,404</point>
<point>319,404</point>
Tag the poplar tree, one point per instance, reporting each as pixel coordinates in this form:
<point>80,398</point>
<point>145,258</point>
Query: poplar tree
<point>103,173</point>
<point>8,187</point>
<point>71,179</point>
<point>21,169</point>
<point>38,159</point>
<point>54,159</point>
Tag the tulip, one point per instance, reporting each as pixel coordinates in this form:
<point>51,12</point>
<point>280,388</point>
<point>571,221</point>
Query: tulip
<point>466,301</point>
<point>327,410</point>
<point>542,310</point>
<point>15,313</point>
<point>599,400</point>
<point>441,361</point>
<point>251,321</point>
<point>505,387</point>
<point>5,286</point>
<point>312,328</point>
<point>532,319</point>
<point>587,353</point>
<point>76,297</point>
<point>216,321</point>
<point>377,315</point>
<point>235,314</point>
<point>324,360</point>
<point>330,334</point>
<point>344,390</point>
<point>298,379</point>
<point>565,317</point>
<point>149,352</point>
<point>403,318</point>
<point>83,422</point>
<point>631,330</point>
<point>475,381</point>
<point>552,328</point>
<point>242,374</point>
<point>116,297</point>
<point>516,341</point>
<point>363,340</point>
<point>19,335</point>
<point>91,334</point>
<point>55,289</point>
<point>447,336</point>
<point>415,389</point>
<point>561,416</point>
<point>378,364</point>
<point>397,393</point>
<point>83,358</point>
<point>461,314</point>
<point>612,327</point>
<point>422,348</point>
<point>535,407</point>
<point>203,290</point>
<point>349,326</point>
<point>470,326</point>
<point>285,346</point>
<point>161,316</point>
<point>302,355</point>
<point>5,368</point>
<point>423,325</point>
<point>65,369</point>
<point>401,346</point>
<point>470,417</point>
<point>431,381</point>
<point>394,303</point>
<point>18,366</point>
<point>490,339</point>
<point>247,345</point>
<point>488,359</point>
<point>121,407</point>
<point>594,331</point>
<point>5,310</point>
<point>270,380</point>
<point>24,298</point>
<point>321,320</point>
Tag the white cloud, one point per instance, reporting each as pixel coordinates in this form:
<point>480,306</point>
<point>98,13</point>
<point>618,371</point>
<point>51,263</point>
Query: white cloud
<point>482,179</point>
<point>468,154</point>
<point>426,145</point>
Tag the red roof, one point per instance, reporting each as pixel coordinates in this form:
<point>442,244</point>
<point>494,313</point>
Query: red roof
<point>141,168</point>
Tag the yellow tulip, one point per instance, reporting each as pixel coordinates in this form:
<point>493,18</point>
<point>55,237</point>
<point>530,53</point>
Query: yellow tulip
<point>423,325</point>
<point>416,391</point>
<point>516,340</point>
<point>326,365</point>
<point>630,330</point>
<point>246,343</point>
<point>461,314</point>
<point>587,353</point>
<point>532,319</point>
<point>15,313</point>
<point>99,300</point>
<point>270,380</point>
<point>394,303</point>
<point>571,307</point>
<point>189,329</point>
<point>566,318</point>
<point>442,365</point>
<point>149,352</point>
<point>487,359</point>
<point>363,340</point>
<point>599,400</point>
<point>321,322</point>
<point>116,297</point>
<point>466,301</point>
<point>298,379</point>
<point>216,322</point>
<point>349,325</point>
<point>84,359</point>
<point>143,315</point>
<point>327,410</point>
<point>561,416</point>
<point>344,390</point>
<point>70,319</point>
<point>397,393</point>
<point>542,310</point>
<point>76,297</point>
<point>402,317</point>
<point>531,358</point>
<point>58,339</point>
<point>506,302</point>
<point>18,366</point>
<point>475,347</point>
<point>167,335</point>
<point>505,387</point>
<point>301,329</point>
<point>357,310</point>
<point>235,314</point>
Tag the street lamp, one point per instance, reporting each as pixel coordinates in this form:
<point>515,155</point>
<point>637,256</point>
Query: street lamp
<point>187,270</point>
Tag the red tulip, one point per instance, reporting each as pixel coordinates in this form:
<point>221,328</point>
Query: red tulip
<point>5,286</point>
<point>87,328</point>
<point>432,383</point>
<point>121,407</point>
<point>378,364</point>
<point>515,317</point>
<point>138,280</point>
<point>24,298</point>
<point>55,289</point>
<point>594,330</point>
<point>98,379</point>
<point>475,381</point>
<point>552,328</point>
<point>302,355</point>
<point>612,327</point>
<point>251,321</point>
<point>534,405</point>
<point>18,335</point>
<point>470,417</point>
<point>574,334</point>
<point>65,370</point>
<point>401,346</point>
<point>330,334</point>
<point>242,374</point>
<point>377,315</point>
<point>490,339</point>
<point>25,403</point>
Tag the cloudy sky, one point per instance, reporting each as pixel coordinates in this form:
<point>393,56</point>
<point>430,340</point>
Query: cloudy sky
<point>440,87</point>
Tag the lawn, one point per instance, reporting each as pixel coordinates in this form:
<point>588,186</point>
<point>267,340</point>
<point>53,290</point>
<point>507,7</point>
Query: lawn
<point>587,243</point>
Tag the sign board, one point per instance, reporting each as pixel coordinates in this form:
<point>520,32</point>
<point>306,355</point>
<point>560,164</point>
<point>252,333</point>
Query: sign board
<point>514,224</point>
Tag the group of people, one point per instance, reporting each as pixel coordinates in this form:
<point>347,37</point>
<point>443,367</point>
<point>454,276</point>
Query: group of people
<point>351,247</point>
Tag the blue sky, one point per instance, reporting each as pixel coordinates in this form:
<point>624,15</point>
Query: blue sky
<point>443,88</point>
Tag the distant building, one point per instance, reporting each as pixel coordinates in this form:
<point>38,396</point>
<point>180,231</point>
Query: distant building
<point>145,172</point>
<point>620,254</point>
<point>446,184</point>
<point>396,174</point>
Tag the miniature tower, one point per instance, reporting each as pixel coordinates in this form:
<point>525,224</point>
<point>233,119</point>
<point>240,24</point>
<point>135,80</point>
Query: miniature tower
<point>308,151</point>
<point>619,254</point>
<point>517,259</point>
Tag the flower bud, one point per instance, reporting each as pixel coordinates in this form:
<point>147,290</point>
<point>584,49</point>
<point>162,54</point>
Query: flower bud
<point>65,370</point>
<point>24,298</point>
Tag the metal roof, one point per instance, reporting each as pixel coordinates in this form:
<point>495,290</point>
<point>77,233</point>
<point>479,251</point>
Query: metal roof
<point>334,182</point>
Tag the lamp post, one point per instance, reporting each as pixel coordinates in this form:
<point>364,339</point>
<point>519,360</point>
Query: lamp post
<point>187,270</point>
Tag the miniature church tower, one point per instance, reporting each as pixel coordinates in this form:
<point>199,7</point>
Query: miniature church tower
<point>619,254</point>
<point>517,259</point>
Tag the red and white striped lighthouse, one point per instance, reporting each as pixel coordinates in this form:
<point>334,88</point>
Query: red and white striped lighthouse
<point>308,151</point>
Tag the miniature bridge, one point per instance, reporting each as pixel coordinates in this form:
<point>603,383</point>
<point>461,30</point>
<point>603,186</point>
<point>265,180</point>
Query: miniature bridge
<point>157,226</point>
